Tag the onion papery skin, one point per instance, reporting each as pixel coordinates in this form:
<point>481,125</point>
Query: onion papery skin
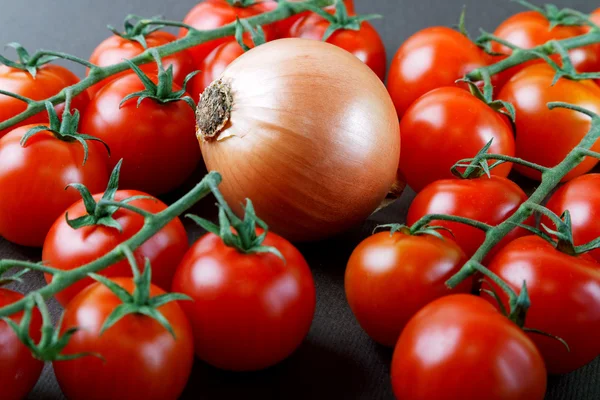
<point>312,139</point>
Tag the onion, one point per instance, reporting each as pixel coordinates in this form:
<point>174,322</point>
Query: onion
<point>306,131</point>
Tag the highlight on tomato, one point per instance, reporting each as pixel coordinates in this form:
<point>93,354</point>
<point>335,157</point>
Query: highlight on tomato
<point>97,224</point>
<point>37,162</point>
<point>253,293</point>
<point>545,136</point>
<point>136,38</point>
<point>149,122</point>
<point>390,276</point>
<point>444,126</point>
<point>460,347</point>
<point>35,79</point>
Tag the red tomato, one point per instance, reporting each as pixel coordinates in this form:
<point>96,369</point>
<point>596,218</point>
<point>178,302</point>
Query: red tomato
<point>157,142</point>
<point>284,27</point>
<point>213,66</point>
<point>595,16</point>
<point>250,311</point>
<point>66,248</point>
<point>565,299</point>
<point>444,126</point>
<point>460,347</point>
<point>391,277</point>
<point>50,80</point>
<point>581,197</point>
<point>19,371</point>
<point>545,137</point>
<point>530,29</point>
<point>365,44</point>
<point>416,67</point>
<point>141,358</point>
<point>33,180</point>
<point>114,49</point>
<point>489,200</point>
<point>212,14</point>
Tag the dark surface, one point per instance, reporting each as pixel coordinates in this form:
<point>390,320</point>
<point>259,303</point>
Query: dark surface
<point>337,360</point>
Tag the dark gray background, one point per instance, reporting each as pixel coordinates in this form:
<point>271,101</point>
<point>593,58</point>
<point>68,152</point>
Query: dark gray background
<point>337,360</point>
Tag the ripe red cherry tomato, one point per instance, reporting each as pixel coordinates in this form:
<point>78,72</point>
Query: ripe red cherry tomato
<point>142,360</point>
<point>416,67</point>
<point>33,180</point>
<point>250,311</point>
<point>114,49</point>
<point>489,200</point>
<point>444,126</point>
<point>212,14</point>
<point>284,27</point>
<point>66,248</point>
<point>546,136</point>
<point>366,44</point>
<point>530,29</point>
<point>49,80</point>
<point>157,142</point>
<point>460,347</point>
<point>581,197</point>
<point>565,299</point>
<point>19,371</point>
<point>391,277</point>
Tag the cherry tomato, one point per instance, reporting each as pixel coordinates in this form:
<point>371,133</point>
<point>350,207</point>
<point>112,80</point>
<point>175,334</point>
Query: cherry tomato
<point>595,16</point>
<point>212,14</point>
<point>460,347</point>
<point>530,29</point>
<point>142,360</point>
<point>445,126</point>
<point>157,142</point>
<point>250,311</point>
<point>284,27</point>
<point>213,66</point>
<point>391,277</point>
<point>33,180</point>
<point>19,371</point>
<point>489,200</point>
<point>581,197</point>
<point>49,80</point>
<point>565,299</point>
<point>431,58</point>
<point>366,44</point>
<point>66,248</point>
<point>114,49</point>
<point>546,136</point>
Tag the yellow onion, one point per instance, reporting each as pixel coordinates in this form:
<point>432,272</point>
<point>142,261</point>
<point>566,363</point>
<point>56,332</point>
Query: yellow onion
<point>306,131</point>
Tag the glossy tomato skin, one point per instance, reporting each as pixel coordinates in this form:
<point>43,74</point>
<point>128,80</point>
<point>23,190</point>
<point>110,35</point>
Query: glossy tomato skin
<point>50,79</point>
<point>142,359</point>
<point>249,311</point>
<point>444,126</point>
<point>212,14</point>
<point>489,200</point>
<point>460,347</point>
<point>19,371</point>
<point>157,142</point>
<point>115,48</point>
<point>565,300</point>
<point>545,136</point>
<point>581,197</point>
<point>66,248</point>
<point>366,44</point>
<point>33,180</point>
<point>284,28</point>
<point>416,70</point>
<point>530,29</point>
<point>389,278</point>
<point>213,66</point>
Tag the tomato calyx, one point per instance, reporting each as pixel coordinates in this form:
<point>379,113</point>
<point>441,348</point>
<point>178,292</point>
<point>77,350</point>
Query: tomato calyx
<point>241,3</point>
<point>136,28</point>
<point>487,96</point>
<point>257,33</point>
<point>554,15</point>
<point>340,20</point>
<point>140,302</point>
<point>101,213</point>
<point>415,230</point>
<point>161,92</point>
<point>26,62</point>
